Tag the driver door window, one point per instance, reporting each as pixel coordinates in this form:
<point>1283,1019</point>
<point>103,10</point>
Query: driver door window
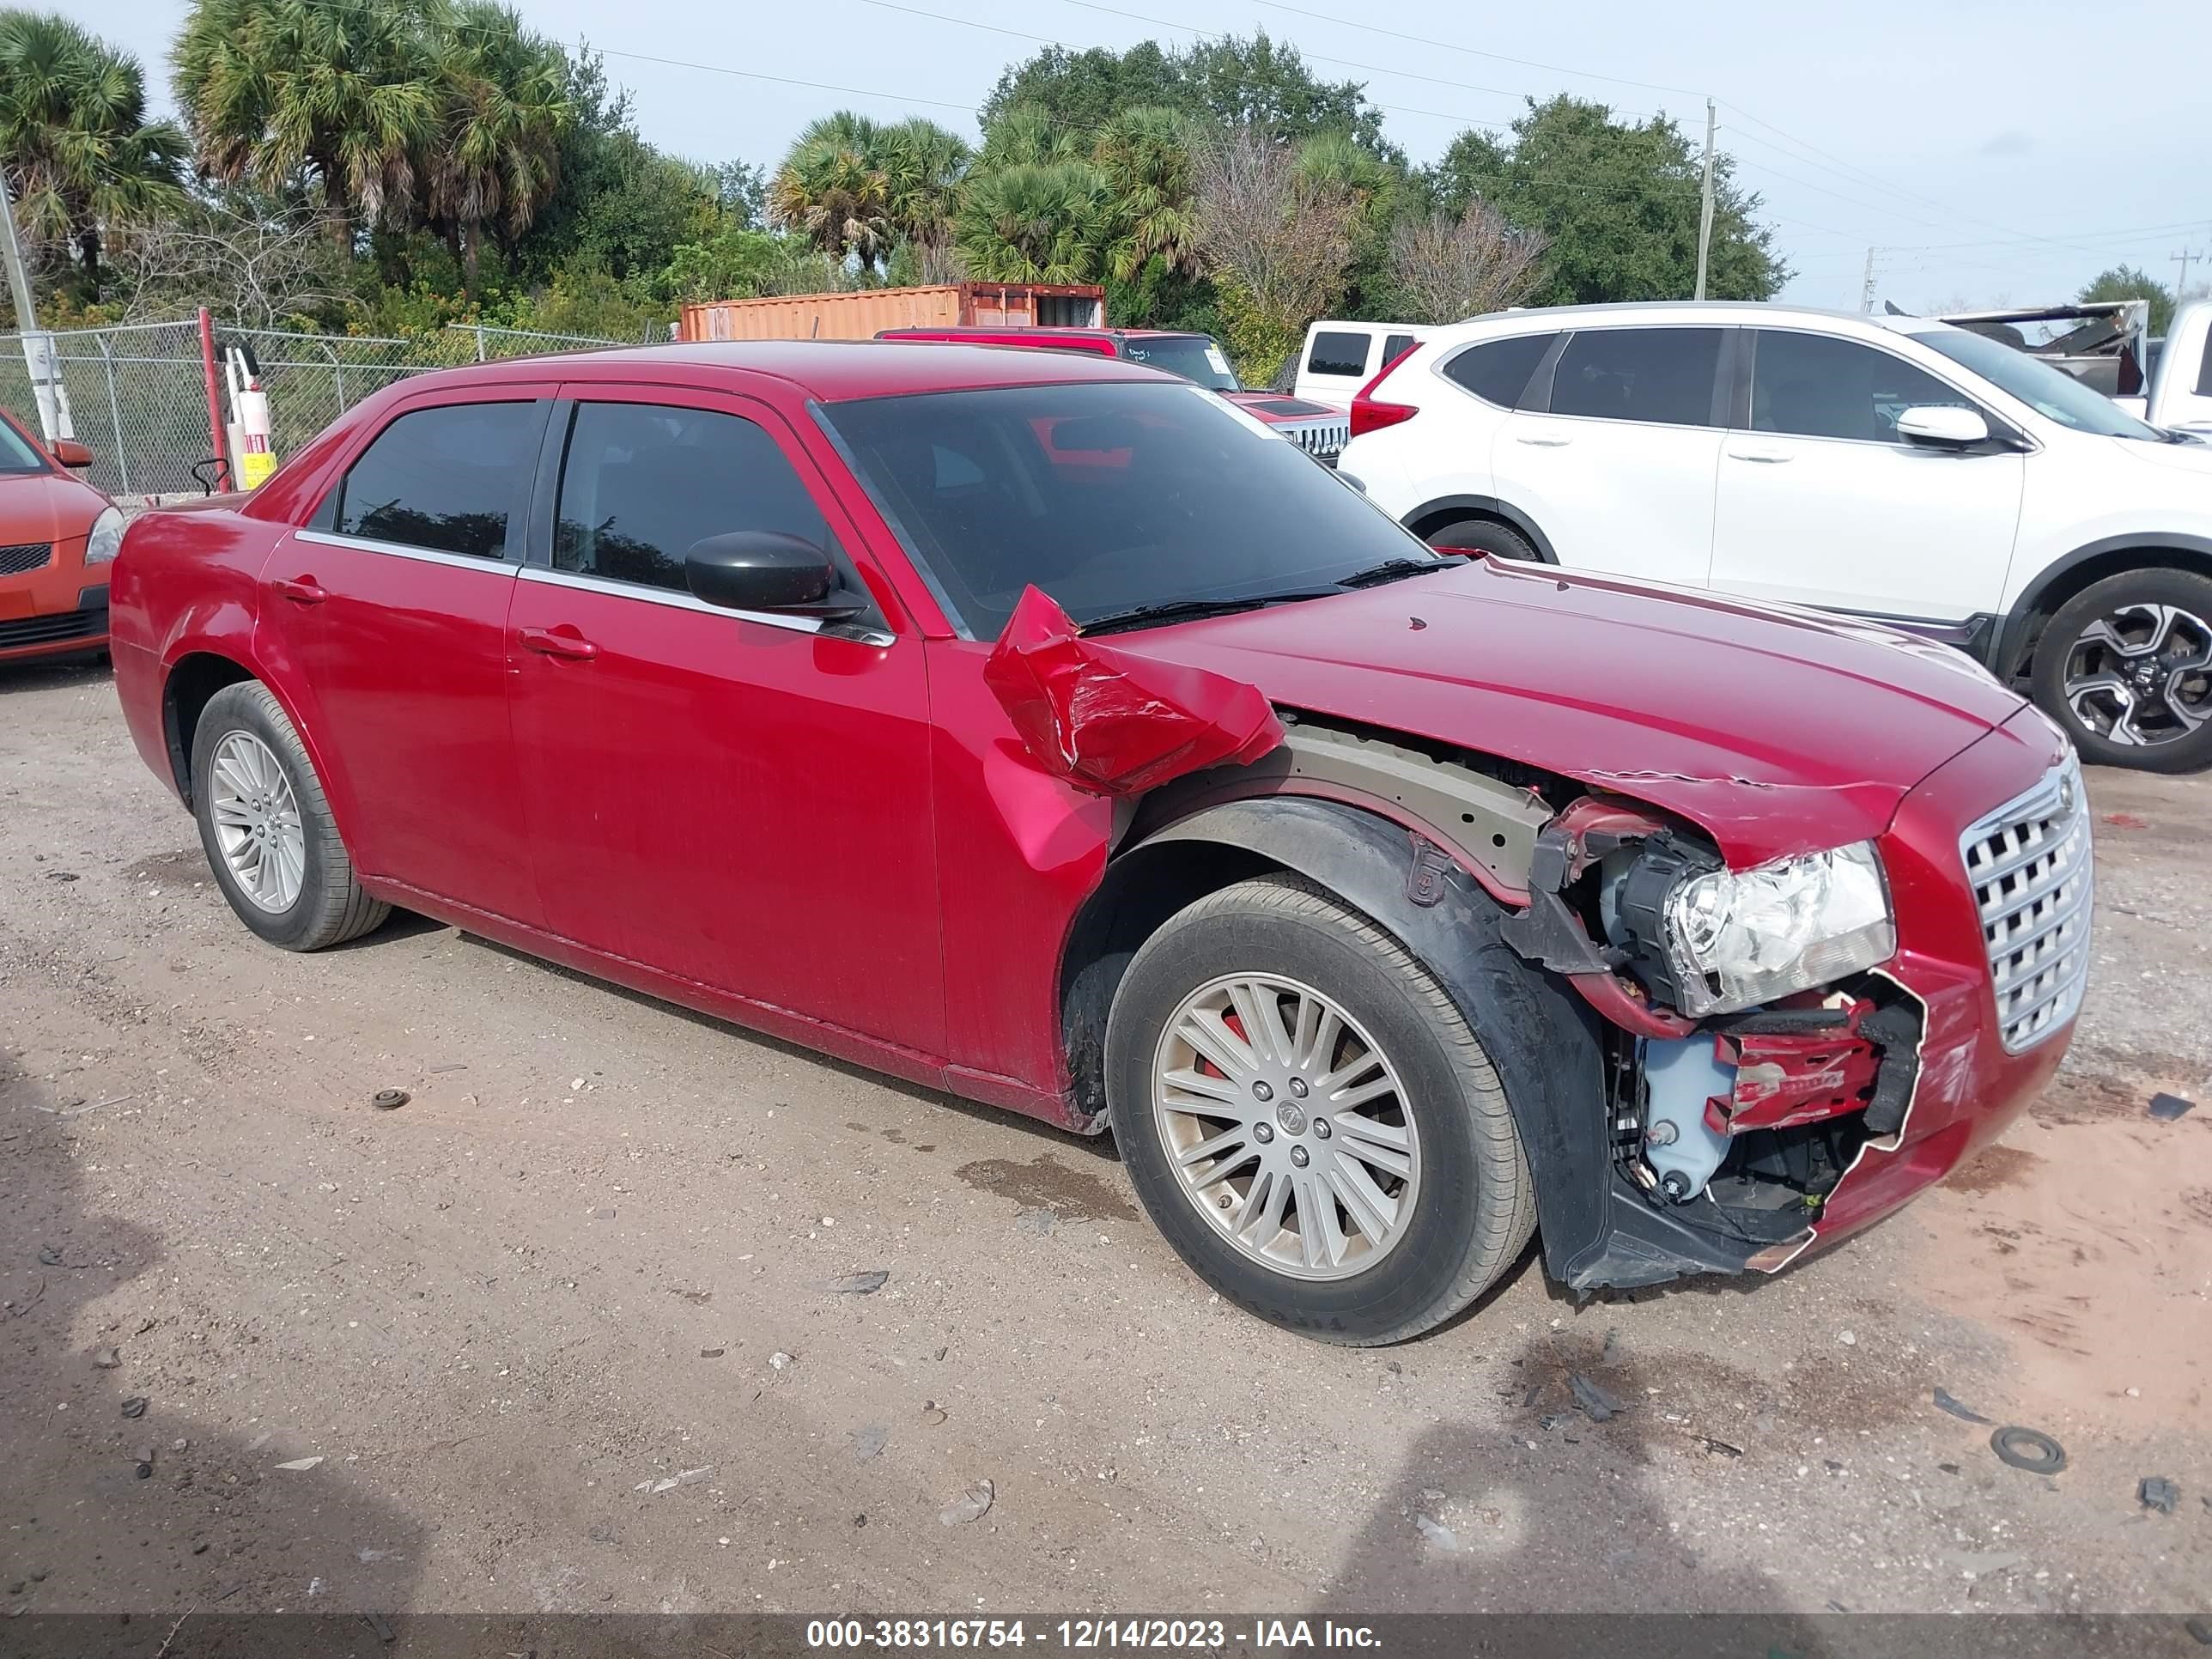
<point>1812,386</point>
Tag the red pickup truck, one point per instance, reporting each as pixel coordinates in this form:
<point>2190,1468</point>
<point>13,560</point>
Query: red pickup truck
<point>1321,431</point>
<point>1031,727</point>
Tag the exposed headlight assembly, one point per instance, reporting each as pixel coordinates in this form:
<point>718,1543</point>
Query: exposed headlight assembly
<point>1711,940</point>
<point>106,536</point>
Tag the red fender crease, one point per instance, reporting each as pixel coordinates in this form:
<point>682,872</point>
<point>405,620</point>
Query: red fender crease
<point>1112,721</point>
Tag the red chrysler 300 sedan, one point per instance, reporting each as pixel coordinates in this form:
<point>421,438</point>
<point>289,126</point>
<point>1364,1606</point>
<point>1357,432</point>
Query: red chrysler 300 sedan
<point>1034,727</point>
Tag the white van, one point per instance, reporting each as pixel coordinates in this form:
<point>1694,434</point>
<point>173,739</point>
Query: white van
<point>1339,358</point>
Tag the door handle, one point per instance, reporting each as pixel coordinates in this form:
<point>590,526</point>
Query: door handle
<point>306,591</point>
<point>1768,457</point>
<point>547,643</point>
<point>1543,440</point>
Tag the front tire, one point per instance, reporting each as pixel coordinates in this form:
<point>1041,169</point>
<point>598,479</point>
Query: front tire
<point>1480,535</point>
<point>2125,667</point>
<point>267,828</point>
<point>1352,1173</point>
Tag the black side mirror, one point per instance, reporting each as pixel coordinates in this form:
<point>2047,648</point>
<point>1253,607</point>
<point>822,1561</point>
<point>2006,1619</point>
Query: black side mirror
<point>767,570</point>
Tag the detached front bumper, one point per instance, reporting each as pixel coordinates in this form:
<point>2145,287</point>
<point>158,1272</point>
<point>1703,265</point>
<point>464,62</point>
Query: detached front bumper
<point>1976,1064</point>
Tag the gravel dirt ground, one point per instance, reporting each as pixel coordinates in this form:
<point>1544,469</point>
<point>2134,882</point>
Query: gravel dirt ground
<point>560,1333</point>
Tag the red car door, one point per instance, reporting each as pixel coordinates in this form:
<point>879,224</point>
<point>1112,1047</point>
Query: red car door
<point>738,798</point>
<point>384,621</point>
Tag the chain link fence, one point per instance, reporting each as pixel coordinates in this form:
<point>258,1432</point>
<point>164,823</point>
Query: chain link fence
<point>138,391</point>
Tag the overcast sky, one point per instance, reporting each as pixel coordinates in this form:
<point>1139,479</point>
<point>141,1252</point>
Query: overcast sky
<point>1987,160</point>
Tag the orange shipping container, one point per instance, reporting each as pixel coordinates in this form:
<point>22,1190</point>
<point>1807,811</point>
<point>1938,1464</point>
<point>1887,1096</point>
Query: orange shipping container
<point>865,313</point>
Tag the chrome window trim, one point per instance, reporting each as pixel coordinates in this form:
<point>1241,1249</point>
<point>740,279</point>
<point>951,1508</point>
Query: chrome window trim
<point>401,550</point>
<point>675,601</point>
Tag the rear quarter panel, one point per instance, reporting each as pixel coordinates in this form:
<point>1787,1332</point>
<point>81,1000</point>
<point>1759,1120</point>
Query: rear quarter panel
<point>186,580</point>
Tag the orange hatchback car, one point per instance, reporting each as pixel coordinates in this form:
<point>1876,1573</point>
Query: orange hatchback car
<point>58,539</point>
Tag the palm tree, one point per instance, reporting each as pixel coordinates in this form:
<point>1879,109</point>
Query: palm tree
<point>1146,159</point>
<point>1036,222</point>
<point>507,105</point>
<point>923,164</point>
<point>1025,136</point>
<point>831,190</point>
<point>343,94</point>
<point>80,153</point>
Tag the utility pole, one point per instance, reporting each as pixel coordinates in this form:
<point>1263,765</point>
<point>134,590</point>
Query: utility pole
<point>38,345</point>
<point>2182,259</point>
<point>1866,294</point>
<point>1706,215</point>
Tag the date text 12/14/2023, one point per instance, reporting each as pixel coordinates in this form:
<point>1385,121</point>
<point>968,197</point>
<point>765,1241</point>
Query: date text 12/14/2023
<point>1089,1635</point>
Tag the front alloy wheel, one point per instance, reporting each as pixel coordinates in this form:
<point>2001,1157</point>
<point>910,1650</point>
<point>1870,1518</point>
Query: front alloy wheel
<point>2141,674</point>
<point>1286,1126</point>
<point>2125,666</point>
<point>1311,1119</point>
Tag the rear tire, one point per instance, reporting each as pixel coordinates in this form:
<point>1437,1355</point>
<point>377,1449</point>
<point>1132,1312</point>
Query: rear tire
<point>1479,536</point>
<point>1437,1144</point>
<point>2125,668</point>
<point>293,885</point>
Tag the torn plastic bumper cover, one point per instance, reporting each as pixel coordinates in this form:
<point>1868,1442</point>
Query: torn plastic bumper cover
<point>1111,721</point>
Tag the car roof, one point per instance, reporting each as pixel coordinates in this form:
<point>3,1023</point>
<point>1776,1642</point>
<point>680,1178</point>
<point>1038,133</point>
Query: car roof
<point>1721,312</point>
<point>830,371</point>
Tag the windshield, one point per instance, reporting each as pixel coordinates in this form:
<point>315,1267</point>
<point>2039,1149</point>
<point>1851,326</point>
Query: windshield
<point>2050,393</point>
<point>1193,356</point>
<point>16,453</point>
<point>1107,496</point>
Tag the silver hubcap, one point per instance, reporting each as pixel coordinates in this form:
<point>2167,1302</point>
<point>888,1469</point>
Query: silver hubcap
<point>2142,675</point>
<point>256,821</point>
<point>1286,1126</point>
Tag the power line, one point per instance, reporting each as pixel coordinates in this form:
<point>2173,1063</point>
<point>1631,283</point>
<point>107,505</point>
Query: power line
<point>1495,57</point>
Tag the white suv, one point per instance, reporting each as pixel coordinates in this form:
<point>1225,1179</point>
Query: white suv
<point>1889,468</point>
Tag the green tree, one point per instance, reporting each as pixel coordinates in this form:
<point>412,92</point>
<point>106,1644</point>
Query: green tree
<point>1265,85</point>
<point>1036,222</point>
<point>1081,91</point>
<point>1145,154</point>
<point>497,153</point>
<point>339,95</point>
<point>1618,201</point>
<point>81,157</point>
<point>2127,282</point>
<point>922,166</point>
<point>1232,82</point>
<point>831,190</point>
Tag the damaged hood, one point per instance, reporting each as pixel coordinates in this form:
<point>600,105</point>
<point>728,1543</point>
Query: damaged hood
<point>1776,731</point>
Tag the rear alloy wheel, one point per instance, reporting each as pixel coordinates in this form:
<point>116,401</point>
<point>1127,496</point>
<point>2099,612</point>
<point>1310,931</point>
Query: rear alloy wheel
<point>1310,1119</point>
<point>2126,667</point>
<point>1476,537</point>
<point>268,831</point>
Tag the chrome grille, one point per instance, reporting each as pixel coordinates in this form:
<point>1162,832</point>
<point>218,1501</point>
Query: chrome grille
<point>1322,439</point>
<point>24,555</point>
<point>2033,877</point>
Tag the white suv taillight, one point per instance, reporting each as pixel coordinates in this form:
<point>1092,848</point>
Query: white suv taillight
<point>1369,413</point>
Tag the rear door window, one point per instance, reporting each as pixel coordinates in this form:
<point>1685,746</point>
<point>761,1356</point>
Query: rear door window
<point>1498,371</point>
<point>447,479</point>
<point>1339,353</point>
<point>2204,375</point>
<point>642,482</point>
<point>1395,346</point>
<point>1661,375</point>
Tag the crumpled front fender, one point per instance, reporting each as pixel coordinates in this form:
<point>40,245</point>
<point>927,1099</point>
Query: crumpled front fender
<point>1114,722</point>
